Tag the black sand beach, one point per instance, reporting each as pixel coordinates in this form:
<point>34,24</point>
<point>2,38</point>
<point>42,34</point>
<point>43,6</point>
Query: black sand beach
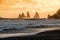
<point>47,35</point>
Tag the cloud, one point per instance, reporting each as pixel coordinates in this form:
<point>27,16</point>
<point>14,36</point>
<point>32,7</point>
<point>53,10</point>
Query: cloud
<point>40,5</point>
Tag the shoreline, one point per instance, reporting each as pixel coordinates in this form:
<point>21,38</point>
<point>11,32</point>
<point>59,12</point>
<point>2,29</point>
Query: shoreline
<point>26,32</point>
<point>48,35</point>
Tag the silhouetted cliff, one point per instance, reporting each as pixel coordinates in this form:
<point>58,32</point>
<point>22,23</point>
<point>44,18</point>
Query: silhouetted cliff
<point>55,16</point>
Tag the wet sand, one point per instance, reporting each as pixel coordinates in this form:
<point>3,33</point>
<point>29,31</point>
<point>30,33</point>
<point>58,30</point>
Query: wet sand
<point>25,32</point>
<point>47,35</point>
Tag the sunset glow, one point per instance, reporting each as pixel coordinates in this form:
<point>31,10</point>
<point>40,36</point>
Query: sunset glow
<point>11,8</point>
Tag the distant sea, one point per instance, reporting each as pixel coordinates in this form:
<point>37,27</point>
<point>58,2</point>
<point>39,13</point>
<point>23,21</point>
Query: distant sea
<point>29,23</point>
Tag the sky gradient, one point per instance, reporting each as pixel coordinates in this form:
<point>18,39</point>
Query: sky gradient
<point>11,8</point>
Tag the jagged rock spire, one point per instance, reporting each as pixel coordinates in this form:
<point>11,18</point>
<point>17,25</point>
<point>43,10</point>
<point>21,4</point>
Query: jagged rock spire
<point>36,15</point>
<point>23,14</point>
<point>20,16</point>
<point>28,15</point>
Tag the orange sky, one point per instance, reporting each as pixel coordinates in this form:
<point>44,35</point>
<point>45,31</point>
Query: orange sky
<point>11,8</point>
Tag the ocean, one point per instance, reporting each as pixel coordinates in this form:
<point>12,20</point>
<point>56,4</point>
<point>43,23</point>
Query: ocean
<point>19,24</point>
<point>29,25</point>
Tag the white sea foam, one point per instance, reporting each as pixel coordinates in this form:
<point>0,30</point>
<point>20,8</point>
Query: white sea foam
<point>21,24</point>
